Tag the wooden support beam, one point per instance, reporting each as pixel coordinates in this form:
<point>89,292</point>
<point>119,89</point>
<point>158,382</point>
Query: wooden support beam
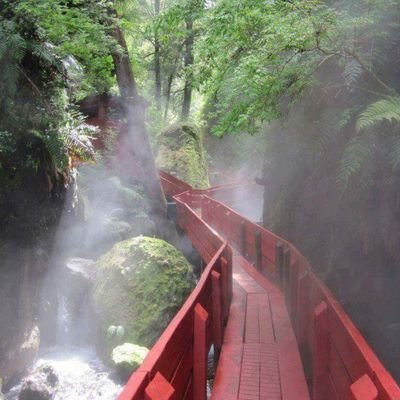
<point>303,304</point>
<point>243,247</point>
<point>226,288</point>
<point>227,217</point>
<point>279,261</point>
<point>217,316</point>
<point>293,290</point>
<point>286,271</point>
<point>200,353</point>
<point>364,389</point>
<point>159,389</point>
<point>320,352</point>
<point>258,245</point>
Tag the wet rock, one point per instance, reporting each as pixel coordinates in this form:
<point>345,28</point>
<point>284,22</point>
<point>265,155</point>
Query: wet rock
<point>127,358</point>
<point>40,385</point>
<point>76,275</point>
<point>180,151</point>
<point>140,285</point>
<point>25,354</point>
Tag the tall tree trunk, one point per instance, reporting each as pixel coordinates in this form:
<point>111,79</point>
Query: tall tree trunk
<point>167,93</point>
<point>123,68</point>
<point>188,59</point>
<point>138,136</point>
<point>157,58</point>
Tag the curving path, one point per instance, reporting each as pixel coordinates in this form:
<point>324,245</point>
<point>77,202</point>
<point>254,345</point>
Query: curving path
<point>275,330</point>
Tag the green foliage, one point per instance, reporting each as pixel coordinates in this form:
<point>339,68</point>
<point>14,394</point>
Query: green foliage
<point>255,54</point>
<point>81,30</point>
<point>355,155</point>
<point>387,109</point>
<point>35,36</point>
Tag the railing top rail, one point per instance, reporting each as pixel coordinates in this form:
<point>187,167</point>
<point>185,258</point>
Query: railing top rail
<point>384,379</point>
<point>187,197</point>
<point>135,387</point>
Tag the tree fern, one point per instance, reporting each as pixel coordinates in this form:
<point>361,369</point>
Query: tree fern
<point>394,152</point>
<point>387,109</point>
<point>355,155</point>
<point>352,71</point>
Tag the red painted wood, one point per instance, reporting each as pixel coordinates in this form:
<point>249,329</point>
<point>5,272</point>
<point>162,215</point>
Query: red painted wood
<point>226,287</point>
<point>347,357</point>
<point>338,373</point>
<point>183,372</point>
<point>134,389</point>
<point>217,316</point>
<point>364,389</point>
<point>227,379</point>
<point>159,389</point>
<point>321,352</point>
<point>200,353</point>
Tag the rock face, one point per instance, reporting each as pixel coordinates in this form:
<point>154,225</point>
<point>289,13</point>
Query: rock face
<point>110,209</point>
<point>181,152</point>
<point>76,275</point>
<point>140,285</point>
<point>127,358</point>
<point>19,333</point>
<point>40,385</point>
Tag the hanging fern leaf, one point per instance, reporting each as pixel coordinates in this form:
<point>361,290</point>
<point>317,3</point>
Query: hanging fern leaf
<point>352,71</point>
<point>394,152</point>
<point>387,109</point>
<point>356,153</point>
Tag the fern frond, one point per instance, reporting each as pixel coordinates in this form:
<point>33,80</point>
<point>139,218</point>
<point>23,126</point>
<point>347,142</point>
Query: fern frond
<point>394,152</point>
<point>356,153</point>
<point>352,71</point>
<point>330,125</point>
<point>387,109</point>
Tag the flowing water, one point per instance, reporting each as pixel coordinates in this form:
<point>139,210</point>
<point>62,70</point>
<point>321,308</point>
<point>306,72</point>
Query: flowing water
<point>82,376</point>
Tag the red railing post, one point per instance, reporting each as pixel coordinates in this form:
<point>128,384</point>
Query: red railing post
<point>227,229</point>
<point>293,289</point>
<point>320,352</point>
<point>279,261</point>
<point>159,389</point>
<point>243,247</point>
<point>303,307</point>
<point>200,353</point>
<point>226,286</point>
<point>258,245</point>
<point>364,389</point>
<point>285,272</point>
<point>217,317</point>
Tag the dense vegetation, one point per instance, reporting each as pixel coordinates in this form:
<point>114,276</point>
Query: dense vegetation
<point>318,81</point>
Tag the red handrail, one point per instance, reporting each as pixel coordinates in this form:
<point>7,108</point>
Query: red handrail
<point>339,358</point>
<point>176,365</point>
<point>340,362</point>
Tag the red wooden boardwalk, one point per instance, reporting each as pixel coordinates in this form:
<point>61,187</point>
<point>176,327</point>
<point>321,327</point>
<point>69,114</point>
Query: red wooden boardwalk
<point>264,312</point>
<point>260,357</point>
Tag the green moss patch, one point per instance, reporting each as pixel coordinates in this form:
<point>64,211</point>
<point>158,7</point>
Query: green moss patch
<point>181,152</point>
<point>140,285</point>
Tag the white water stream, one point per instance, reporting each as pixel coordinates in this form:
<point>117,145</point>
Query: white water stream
<point>81,374</point>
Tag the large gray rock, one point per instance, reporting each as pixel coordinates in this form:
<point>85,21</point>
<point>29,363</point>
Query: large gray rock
<point>40,385</point>
<point>140,284</point>
<point>76,276</point>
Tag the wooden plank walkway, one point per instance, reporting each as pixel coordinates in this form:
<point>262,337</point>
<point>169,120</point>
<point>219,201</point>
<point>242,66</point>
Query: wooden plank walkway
<point>259,358</point>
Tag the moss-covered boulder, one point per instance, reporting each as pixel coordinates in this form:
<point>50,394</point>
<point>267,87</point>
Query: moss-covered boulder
<point>127,358</point>
<point>140,285</point>
<point>181,152</point>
